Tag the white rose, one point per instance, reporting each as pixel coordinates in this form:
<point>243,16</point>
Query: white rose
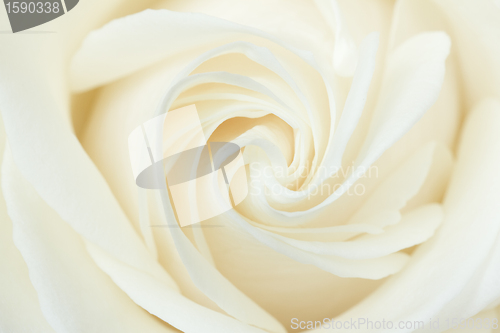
<point>400,98</point>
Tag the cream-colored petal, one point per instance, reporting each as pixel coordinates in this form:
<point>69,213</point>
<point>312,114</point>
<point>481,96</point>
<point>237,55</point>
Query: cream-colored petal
<point>161,301</point>
<point>345,55</point>
<point>475,28</point>
<point>19,306</point>
<point>51,158</point>
<point>447,274</point>
<point>415,227</point>
<point>75,295</point>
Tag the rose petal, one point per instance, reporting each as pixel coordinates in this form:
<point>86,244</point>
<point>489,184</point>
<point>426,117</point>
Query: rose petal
<point>212,283</point>
<point>19,309</point>
<point>478,56</point>
<point>466,244</point>
<point>406,95</point>
<point>414,228</point>
<point>345,55</point>
<point>51,158</point>
<point>376,268</point>
<point>126,45</point>
<point>152,295</point>
<point>74,293</point>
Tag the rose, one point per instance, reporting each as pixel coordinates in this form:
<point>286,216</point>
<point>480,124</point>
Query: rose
<point>49,268</point>
<point>84,255</point>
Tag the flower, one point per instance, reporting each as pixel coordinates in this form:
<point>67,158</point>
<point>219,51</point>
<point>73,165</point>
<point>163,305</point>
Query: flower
<point>370,133</point>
